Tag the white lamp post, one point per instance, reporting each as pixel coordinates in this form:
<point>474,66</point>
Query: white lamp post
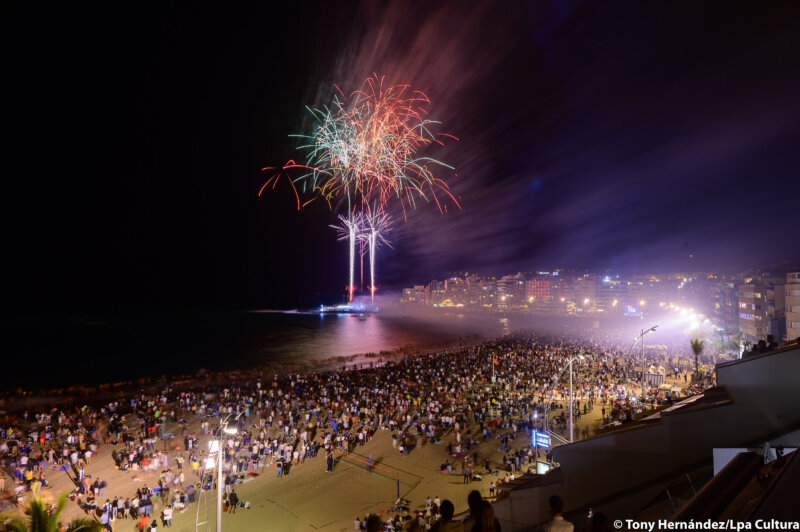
<point>571,428</point>
<point>555,379</point>
<point>641,378</point>
<point>216,447</point>
<point>220,482</point>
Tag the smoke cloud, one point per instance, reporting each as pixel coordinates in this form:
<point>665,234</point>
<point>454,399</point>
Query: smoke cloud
<point>588,138</point>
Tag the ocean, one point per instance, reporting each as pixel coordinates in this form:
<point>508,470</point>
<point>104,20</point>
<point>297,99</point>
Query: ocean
<point>58,352</point>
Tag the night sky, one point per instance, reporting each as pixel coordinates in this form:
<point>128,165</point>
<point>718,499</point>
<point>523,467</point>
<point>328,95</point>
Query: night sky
<point>592,135</point>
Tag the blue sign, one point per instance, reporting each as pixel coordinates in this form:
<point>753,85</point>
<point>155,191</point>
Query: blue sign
<point>540,439</point>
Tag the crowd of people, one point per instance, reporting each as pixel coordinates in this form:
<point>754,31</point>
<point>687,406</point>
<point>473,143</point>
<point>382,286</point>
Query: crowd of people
<point>496,391</point>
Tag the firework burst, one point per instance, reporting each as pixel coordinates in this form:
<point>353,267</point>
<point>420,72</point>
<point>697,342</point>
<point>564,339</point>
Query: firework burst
<point>369,148</point>
<point>283,171</point>
<point>366,151</point>
<point>376,226</point>
<point>350,228</point>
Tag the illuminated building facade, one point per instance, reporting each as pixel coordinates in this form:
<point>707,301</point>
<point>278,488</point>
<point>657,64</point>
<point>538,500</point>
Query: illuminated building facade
<point>761,301</point>
<point>792,301</point>
<point>511,292</point>
<point>545,291</point>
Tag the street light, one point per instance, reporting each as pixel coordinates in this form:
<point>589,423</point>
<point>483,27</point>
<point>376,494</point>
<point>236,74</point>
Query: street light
<point>641,378</point>
<point>571,430</point>
<point>216,446</point>
<point>555,380</point>
<point>220,482</point>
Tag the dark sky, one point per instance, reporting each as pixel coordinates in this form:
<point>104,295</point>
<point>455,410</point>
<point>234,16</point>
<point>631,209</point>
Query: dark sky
<point>593,135</point>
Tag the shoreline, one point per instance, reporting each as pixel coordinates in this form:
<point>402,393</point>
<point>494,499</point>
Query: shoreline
<point>17,401</point>
<point>304,497</point>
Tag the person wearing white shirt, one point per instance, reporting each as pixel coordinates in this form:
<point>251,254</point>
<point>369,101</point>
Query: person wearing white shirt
<point>558,523</point>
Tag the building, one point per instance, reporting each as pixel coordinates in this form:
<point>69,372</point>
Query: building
<point>725,305</point>
<point>775,299</point>
<point>545,291</point>
<point>487,292</point>
<point>761,300</point>
<point>406,296</point>
<point>511,291</point>
<point>456,292</point>
<point>611,294</point>
<point>438,293</point>
<point>584,293</point>
<point>792,305</point>
<point>752,314</point>
<point>473,290</point>
<point>416,295</point>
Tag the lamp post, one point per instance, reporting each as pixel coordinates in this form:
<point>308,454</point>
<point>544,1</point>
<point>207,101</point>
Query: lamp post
<point>547,406</point>
<point>641,377</point>
<point>210,465</point>
<point>571,428</point>
<point>220,482</point>
<point>217,445</point>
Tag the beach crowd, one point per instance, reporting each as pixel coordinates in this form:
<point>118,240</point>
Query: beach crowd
<point>497,391</point>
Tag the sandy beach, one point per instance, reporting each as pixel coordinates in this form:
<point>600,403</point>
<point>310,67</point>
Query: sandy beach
<point>307,498</point>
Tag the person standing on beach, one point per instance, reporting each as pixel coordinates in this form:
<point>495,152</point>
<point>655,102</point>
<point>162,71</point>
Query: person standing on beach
<point>233,502</point>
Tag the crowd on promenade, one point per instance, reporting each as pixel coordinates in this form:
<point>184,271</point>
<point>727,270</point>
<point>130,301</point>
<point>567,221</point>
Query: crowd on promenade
<point>495,391</point>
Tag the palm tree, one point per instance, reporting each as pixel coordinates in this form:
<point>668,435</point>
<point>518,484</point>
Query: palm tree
<point>697,348</point>
<point>43,520</point>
